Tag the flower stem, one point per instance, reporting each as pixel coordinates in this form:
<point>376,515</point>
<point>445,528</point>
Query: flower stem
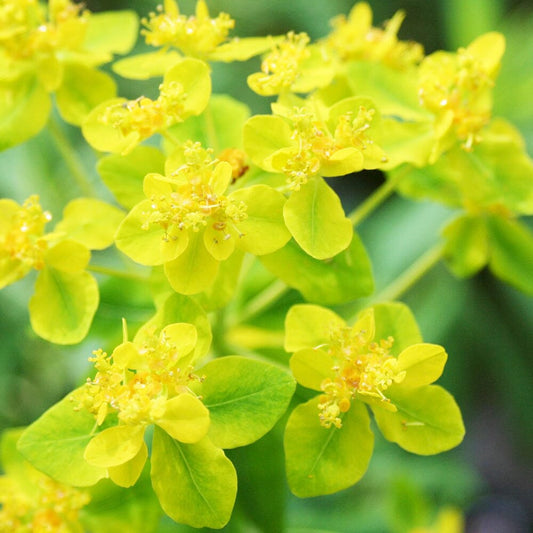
<point>412,275</point>
<point>263,300</point>
<point>69,155</point>
<point>116,273</point>
<point>375,199</point>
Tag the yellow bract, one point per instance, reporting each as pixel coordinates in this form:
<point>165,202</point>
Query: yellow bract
<point>197,36</point>
<point>354,38</point>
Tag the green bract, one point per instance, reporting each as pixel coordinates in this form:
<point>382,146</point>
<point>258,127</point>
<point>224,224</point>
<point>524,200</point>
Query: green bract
<point>151,381</point>
<point>328,443</point>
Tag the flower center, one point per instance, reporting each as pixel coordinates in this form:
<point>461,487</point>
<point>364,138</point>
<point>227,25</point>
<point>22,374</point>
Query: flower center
<point>361,367</point>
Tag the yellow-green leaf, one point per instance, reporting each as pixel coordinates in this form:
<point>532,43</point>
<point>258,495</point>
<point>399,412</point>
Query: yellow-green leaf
<point>423,364</point>
<point>311,366</point>
<point>67,256</point>
<point>146,66</point>
<point>127,474</point>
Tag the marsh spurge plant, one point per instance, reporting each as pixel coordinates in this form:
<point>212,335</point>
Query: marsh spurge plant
<point>214,189</point>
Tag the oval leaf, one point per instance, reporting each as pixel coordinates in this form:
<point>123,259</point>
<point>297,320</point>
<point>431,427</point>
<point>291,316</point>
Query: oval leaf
<point>316,220</point>
<point>245,399</point>
<point>196,483</point>
<point>323,461</point>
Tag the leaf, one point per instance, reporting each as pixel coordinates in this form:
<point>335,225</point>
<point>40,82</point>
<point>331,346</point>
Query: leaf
<point>194,270</point>
<point>146,66</point>
<point>185,419</point>
<point>395,319</point>
<point>124,174</point>
<point>114,446</point>
<point>196,483</point>
<point>91,222</point>
<point>466,250</point>
<point>220,126</point>
<point>63,306</point>
<point>241,49</point>
<point>427,421</point>
<point>55,444</point>
<point>264,135</point>
<point>311,366</point>
<point>82,89</point>
<point>343,278</point>
<point>111,32</point>
<point>67,256</point>
<point>323,461</point>
<point>144,246</point>
<point>423,364</point>
<point>127,474</point>
<point>511,252</point>
<point>24,110</point>
<point>177,309</point>
<point>309,326</point>
<point>263,230</point>
<point>245,399</point>
<point>316,220</point>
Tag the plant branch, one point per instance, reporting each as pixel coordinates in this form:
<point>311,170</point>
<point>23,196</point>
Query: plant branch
<point>116,273</point>
<point>375,199</point>
<point>69,155</point>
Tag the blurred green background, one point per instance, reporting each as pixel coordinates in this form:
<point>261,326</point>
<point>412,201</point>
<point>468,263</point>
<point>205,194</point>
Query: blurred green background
<point>486,326</point>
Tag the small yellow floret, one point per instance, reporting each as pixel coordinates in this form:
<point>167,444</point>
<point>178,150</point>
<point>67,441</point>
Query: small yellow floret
<point>197,35</point>
<point>361,366</point>
<point>282,66</point>
<point>50,506</point>
<point>24,241</point>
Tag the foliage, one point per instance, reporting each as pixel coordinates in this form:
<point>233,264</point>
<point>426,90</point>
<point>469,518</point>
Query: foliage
<point>222,221</point>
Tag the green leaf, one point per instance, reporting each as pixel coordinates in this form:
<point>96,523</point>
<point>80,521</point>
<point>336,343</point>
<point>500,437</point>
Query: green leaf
<point>146,66</point>
<point>82,89</point>
<point>466,250</point>
<point>245,399</point>
<point>177,309</point>
<point>396,319</point>
<point>63,306</point>
<point>316,220</point>
<point>323,461</point>
<point>194,270</point>
<point>423,364</point>
<point>308,326</point>
<point>263,229</point>
<point>264,135</point>
<point>196,483</point>
<point>124,174</point>
<point>24,110</point>
<point>219,126</point>
<point>427,421</point>
<point>90,222</point>
<point>144,246</point>
<point>343,278</point>
<point>511,252</point>
<point>241,49</point>
<point>55,444</point>
<point>111,32</point>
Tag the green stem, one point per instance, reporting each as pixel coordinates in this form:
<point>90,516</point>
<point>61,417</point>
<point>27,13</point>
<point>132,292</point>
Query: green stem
<point>410,276</point>
<point>375,199</point>
<point>170,138</point>
<point>116,273</point>
<point>68,153</point>
<point>263,300</point>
